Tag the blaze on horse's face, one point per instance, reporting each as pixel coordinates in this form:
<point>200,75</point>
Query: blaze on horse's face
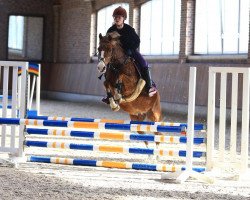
<point>105,52</point>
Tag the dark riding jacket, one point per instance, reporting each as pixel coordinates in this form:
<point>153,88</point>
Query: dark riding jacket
<point>129,39</point>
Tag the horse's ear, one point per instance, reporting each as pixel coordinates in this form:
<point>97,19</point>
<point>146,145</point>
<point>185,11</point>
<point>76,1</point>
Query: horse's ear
<point>110,37</point>
<point>100,36</point>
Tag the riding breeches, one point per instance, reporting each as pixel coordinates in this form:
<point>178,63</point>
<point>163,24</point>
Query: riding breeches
<point>140,60</point>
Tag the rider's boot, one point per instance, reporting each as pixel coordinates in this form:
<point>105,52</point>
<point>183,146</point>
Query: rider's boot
<point>150,86</point>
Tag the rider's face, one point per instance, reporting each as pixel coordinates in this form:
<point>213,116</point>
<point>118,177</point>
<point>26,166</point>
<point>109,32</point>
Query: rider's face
<point>119,20</point>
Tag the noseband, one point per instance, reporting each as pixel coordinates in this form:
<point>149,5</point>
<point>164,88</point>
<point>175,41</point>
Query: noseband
<point>113,66</point>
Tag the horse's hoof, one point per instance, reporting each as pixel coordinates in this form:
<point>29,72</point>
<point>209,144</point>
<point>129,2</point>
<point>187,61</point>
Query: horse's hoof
<point>116,108</point>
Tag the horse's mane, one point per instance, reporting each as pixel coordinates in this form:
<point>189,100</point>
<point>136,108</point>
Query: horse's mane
<point>114,35</point>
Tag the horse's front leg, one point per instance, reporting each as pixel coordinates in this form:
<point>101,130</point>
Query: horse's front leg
<point>113,105</point>
<point>117,95</point>
<point>118,90</point>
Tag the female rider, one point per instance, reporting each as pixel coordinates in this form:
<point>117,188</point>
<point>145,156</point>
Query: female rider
<point>130,41</point>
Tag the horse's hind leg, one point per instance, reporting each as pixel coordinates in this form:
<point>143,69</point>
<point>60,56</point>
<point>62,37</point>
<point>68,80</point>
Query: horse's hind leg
<point>155,116</point>
<point>141,117</point>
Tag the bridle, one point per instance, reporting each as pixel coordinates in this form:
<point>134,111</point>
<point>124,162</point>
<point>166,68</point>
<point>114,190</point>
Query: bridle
<point>113,65</point>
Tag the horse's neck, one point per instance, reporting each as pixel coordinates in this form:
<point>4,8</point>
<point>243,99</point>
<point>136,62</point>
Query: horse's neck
<point>126,73</point>
<point>119,56</point>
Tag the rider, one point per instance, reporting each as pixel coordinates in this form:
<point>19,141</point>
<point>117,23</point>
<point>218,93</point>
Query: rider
<point>130,42</point>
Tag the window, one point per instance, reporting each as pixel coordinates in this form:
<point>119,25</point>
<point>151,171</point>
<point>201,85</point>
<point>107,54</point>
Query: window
<point>105,19</point>
<point>16,26</point>
<point>221,26</point>
<point>160,27</point>
<point>25,37</point>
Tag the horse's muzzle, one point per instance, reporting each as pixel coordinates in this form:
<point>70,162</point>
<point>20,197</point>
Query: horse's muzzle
<point>101,66</point>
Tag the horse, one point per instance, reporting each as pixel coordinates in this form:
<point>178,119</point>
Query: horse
<point>123,84</point>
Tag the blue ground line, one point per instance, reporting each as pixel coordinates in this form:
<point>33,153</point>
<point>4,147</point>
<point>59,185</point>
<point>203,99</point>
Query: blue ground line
<point>132,136</point>
<point>90,147</point>
<point>197,126</point>
<point>93,163</point>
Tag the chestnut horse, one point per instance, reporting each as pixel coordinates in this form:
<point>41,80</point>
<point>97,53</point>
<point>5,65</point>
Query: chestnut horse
<point>123,84</point>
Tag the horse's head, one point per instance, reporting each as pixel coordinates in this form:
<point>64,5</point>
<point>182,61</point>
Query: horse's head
<point>106,49</point>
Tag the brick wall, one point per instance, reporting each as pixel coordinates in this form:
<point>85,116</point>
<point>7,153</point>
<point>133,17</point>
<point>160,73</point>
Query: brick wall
<point>74,31</point>
<point>183,30</point>
<point>190,27</point>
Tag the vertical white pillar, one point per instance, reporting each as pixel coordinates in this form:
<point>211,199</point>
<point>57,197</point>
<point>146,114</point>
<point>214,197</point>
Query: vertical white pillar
<point>191,113</point>
<point>5,102</point>
<point>210,118</point>
<point>245,121</point>
<point>234,106</point>
<point>38,90</point>
<point>222,118</point>
<point>23,106</point>
<point>14,104</point>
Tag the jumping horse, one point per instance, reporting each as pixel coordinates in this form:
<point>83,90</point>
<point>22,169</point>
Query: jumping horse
<point>123,84</point>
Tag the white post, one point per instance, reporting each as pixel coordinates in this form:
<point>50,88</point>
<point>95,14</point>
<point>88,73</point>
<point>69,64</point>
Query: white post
<point>222,122</point>
<point>22,109</point>
<point>14,104</point>
<point>234,106</point>
<point>38,90</point>
<point>210,118</point>
<point>5,102</point>
<point>245,121</point>
<point>32,92</point>
<point>191,114</point>
<point>28,92</point>
<point>19,91</point>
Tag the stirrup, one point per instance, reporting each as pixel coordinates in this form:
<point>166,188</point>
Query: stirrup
<point>105,100</point>
<point>152,91</point>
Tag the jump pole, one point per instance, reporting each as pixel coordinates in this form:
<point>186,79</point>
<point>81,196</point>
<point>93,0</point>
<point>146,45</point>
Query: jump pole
<point>93,125</point>
<point>197,126</point>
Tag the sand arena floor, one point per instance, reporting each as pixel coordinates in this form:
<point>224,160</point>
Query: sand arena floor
<point>50,181</point>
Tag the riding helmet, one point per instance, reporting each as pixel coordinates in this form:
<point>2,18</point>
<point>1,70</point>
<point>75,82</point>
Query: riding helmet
<point>120,11</point>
